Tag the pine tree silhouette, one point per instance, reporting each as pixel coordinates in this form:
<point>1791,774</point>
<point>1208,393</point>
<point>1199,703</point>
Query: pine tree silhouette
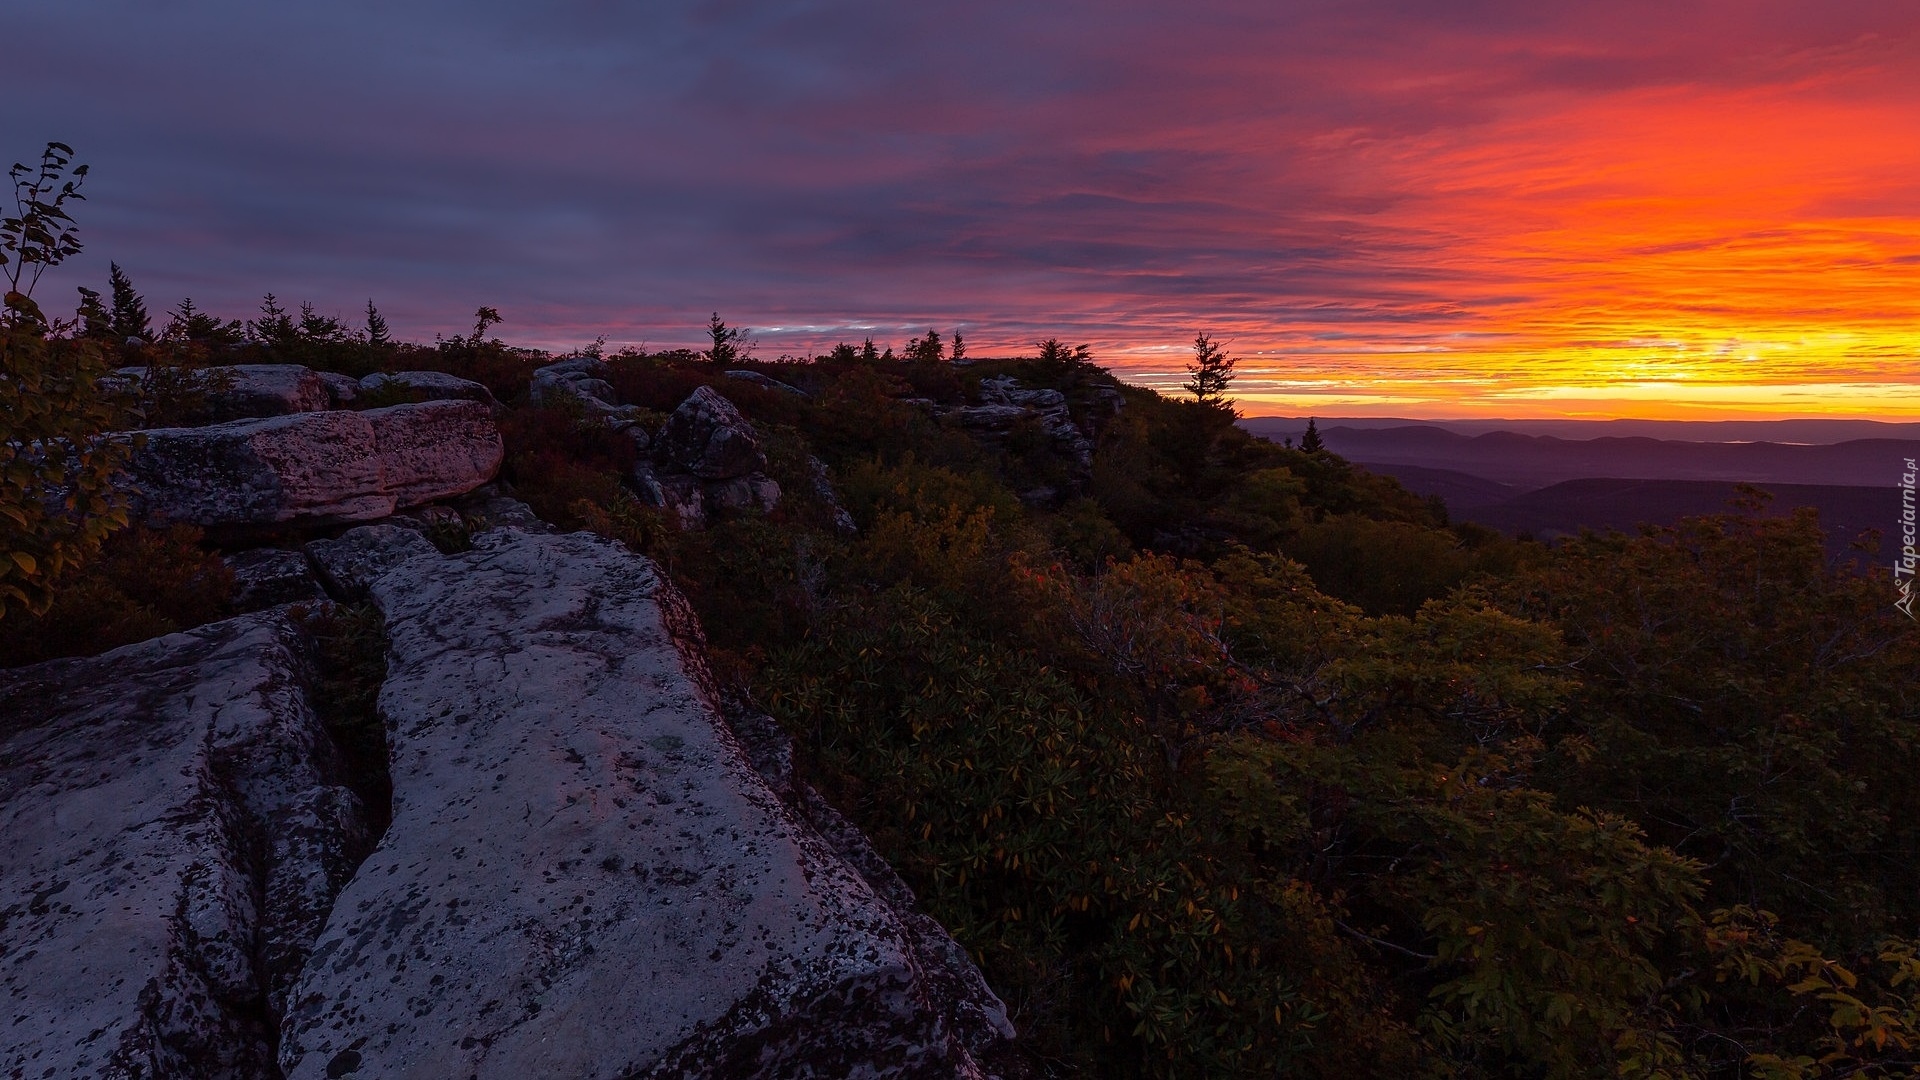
<point>1310,442</point>
<point>95,322</point>
<point>1210,373</point>
<point>377,333</point>
<point>129,315</point>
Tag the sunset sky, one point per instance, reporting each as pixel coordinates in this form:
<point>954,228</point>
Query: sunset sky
<point>1394,207</point>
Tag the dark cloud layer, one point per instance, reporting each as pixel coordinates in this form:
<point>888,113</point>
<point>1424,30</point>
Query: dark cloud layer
<point>1118,171</point>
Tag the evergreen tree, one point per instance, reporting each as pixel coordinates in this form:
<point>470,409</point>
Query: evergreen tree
<point>959,350</point>
<point>274,328</point>
<point>129,317</point>
<point>377,333</point>
<point>317,327</point>
<point>95,322</point>
<point>868,352</point>
<point>188,323</point>
<point>844,353</point>
<point>928,349</point>
<point>726,341</point>
<point>1060,365</point>
<point>1210,373</point>
<point>1056,352</point>
<point>1310,442</point>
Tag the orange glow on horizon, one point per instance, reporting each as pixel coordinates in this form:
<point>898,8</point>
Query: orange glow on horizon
<point>1663,255</point>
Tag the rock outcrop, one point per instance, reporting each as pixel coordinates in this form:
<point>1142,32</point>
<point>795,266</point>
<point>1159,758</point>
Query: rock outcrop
<point>581,382</point>
<point>707,459</point>
<point>350,564</point>
<point>245,391</point>
<point>341,389</point>
<point>766,382</point>
<point>709,438</point>
<point>1047,406</point>
<point>171,839</point>
<point>828,498</point>
<point>579,376</point>
<point>268,577</point>
<point>585,875</point>
<point>593,869</point>
<point>425,386</point>
<point>1005,405</point>
<point>314,468</point>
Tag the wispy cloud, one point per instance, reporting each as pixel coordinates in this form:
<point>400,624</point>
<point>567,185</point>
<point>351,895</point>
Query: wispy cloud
<point>1536,192</point>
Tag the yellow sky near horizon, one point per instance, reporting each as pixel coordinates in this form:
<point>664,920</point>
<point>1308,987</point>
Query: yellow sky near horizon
<point>1651,254</point>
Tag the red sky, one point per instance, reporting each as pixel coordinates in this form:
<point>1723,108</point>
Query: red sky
<point>1660,251</point>
<point>1390,207</point>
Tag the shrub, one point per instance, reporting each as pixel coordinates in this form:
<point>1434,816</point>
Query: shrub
<point>58,492</point>
<point>143,583</point>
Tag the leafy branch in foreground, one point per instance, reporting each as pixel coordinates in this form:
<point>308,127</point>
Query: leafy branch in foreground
<point>58,496</point>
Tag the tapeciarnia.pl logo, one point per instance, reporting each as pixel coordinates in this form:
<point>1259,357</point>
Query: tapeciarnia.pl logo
<point>1903,564</point>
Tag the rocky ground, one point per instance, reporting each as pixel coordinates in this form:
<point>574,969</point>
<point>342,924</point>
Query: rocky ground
<point>594,867</point>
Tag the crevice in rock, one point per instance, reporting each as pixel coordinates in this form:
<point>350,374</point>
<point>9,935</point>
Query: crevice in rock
<point>350,660</point>
<point>178,832</point>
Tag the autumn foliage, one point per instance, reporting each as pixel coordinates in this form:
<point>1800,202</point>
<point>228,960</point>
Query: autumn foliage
<point>1232,759</point>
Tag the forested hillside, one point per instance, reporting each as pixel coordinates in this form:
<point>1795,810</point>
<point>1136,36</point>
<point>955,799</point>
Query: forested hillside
<point>1226,758</point>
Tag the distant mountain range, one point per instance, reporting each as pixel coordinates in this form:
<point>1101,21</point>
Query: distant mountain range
<point>1780,431</point>
<point>1845,512</point>
<point>1535,461</point>
<point>1589,476</point>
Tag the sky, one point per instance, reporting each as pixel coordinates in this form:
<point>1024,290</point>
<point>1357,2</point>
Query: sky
<point>1384,207</point>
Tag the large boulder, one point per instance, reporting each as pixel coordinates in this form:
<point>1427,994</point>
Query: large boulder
<point>585,876</point>
<point>591,367</point>
<point>580,382</point>
<point>709,438</point>
<point>242,391</point>
<point>315,467</point>
<point>576,377</point>
<point>341,389</point>
<point>680,494</point>
<point>425,386</point>
<point>766,382</point>
<point>269,390</point>
<point>1007,404</point>
<point>171,839</point>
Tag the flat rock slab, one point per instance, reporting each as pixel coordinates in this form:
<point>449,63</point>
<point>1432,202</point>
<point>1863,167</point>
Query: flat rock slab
<point>349,564</point>
<point>169,846</point>
<point>269,390</point>
<point>425,386</point>
<point>266,577</point>
<point>239,391</point>
<point>318,467</point>
<point>584,876</point>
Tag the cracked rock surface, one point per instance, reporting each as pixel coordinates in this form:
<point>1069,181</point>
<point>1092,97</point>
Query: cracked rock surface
<point>171,840</point>
<point>585,876</point>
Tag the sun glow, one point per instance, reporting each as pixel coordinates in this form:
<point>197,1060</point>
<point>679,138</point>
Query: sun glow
<point>1652,254</point>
